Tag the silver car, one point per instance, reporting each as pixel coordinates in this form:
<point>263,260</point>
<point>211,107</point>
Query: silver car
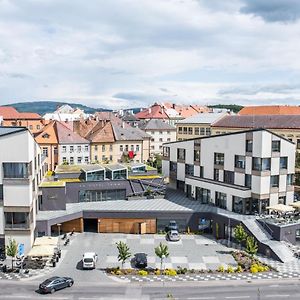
<point>173,236</point>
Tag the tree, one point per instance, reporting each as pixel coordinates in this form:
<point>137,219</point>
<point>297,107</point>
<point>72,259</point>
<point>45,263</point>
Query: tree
<point>124,252</point>
<point>240,234</point>
<point>12,250</point>
<point>251,245</point>
<point>162,252</point>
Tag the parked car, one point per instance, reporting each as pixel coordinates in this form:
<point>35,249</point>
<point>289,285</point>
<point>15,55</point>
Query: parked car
<point>89,260</point>
<point>172,225</point>
<point>55,283</point>
<point>140,260</point>
<point>173,236</point>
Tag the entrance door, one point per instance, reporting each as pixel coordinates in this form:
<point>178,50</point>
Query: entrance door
<point>90,225</point>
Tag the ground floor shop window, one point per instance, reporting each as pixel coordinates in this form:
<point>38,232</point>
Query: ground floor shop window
<point>221,200</point>
<point>105,195</point>
<point>249,206</point>
<point>202,195</point>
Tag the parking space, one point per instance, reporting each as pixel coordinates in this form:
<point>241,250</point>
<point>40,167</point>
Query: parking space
<point>192,251</point>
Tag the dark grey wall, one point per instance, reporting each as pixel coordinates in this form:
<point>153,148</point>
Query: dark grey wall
<point>53,198</point>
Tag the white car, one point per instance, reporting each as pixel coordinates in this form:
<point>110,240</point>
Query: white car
<point>89,260</point>
<point>173,236</point>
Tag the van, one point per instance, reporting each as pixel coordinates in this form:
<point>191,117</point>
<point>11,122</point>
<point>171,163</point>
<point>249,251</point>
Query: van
<point>89,260</point>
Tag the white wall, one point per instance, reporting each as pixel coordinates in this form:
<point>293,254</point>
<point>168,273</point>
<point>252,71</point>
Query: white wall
<point>75,154</point>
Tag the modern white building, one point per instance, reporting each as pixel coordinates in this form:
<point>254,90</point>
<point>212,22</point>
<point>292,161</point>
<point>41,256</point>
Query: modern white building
<point>244,172</point>
<point>20,174</point>
<point>160,132</point>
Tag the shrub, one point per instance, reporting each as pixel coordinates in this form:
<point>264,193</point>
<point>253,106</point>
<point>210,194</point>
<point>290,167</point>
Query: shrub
<point>157,272</point>
<point>266,269</point>
<point>221,269</point>
<point>253,269</point>
<point>170,272</point>
<point>230,269</point>
<point>239,269</point>
<point>143,273</point>
<point>261,268</point>
<point>181,270</point>
<point>118,272</point>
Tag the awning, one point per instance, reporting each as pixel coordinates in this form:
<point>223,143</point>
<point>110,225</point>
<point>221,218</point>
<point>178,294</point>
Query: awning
<point>46,240</point>
<point>42,251</point>
<point>281,208</point>
<point>295,204</point>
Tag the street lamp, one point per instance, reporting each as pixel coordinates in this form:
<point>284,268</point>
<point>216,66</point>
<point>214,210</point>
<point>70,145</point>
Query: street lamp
<point>58,225</point>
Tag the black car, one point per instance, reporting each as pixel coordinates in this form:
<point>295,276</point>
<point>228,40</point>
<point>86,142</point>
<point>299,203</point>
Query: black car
<point>140,260</point>
<point>55,283</point>
<point>172,226</point>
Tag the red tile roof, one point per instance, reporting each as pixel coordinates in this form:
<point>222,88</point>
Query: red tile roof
<point>270,110</point>
<point>153,112</point>
<point>10,113</point>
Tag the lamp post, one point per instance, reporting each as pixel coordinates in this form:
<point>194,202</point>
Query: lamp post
<point>58,225</point>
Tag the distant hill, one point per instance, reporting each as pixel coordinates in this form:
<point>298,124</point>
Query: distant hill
<point>234,107</point>
<point>42,107</point>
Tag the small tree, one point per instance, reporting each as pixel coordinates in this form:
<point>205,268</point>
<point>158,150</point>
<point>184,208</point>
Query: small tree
<point>124,252</point>
<point>162,252</point>
<point>240,234</point>
<point>251,245</point>
<point>12,250</point>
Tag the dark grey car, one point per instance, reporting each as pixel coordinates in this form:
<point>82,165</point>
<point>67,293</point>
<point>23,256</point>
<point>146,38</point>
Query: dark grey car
<point>55,283</point>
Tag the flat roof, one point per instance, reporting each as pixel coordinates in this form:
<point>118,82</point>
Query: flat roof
<point>68,169</point>
<point>115,167</point>
<point>92,168</point>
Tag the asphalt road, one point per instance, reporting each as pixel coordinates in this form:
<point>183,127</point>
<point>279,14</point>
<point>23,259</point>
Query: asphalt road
<point>288,289</point>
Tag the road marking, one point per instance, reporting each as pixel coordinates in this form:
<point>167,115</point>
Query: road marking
<point>201,298</point>
<point>274,285</point>
<point>276,296</point>
<point>237,297</point>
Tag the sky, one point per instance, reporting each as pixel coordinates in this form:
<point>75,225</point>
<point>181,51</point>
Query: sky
<point>131,53</point>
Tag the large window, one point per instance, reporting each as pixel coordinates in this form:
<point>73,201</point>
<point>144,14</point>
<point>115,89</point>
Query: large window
<point>202,195</point>
<point>173,166</point>
<point>261,164</point>
<point>189,169</point>
<point>216,174</point>
<point>240,161</point>
<point>191,130</point>
<point>95,175</point>
<point>180,130</point>
<point>283,162</point>
<point>17,220</point>
<point>16,170</point>
<point>275,146</point>
<point>120,174</point>
<point>219,159</point>
<point>229,177</point>
<point>238,205</point>
<point>248,180</point>
<point>202,131</point>
<point>197,132</point>
<point>166,151</point>
<point>249,146</point>
<point>197,155</point>
<point>221,200</point>
<point>105,195</point>
<point>274,181</point>
<point>181,154</point>
<point>289,179</point>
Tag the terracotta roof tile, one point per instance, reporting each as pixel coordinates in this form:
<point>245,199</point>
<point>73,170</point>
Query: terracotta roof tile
<point>9,112</point>
<point>270,110</point>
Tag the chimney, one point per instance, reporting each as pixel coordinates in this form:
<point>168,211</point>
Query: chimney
<point>173,105</point>
<point>149,110</point>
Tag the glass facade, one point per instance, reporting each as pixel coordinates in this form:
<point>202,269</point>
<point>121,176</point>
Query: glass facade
<point>95,176</point>
<point>181,154</point>
<point>98,195</point>
<point>283,162</point>
<point>240,161</point>
<point>221,200</point>
<point>16,170</point>
<point>116,174</point>
<point>219,159</point>
<point>17,220</point>
<point>275,146</point>
<point>189,169</point>
<point>202,195</point>
<point>261,164</point>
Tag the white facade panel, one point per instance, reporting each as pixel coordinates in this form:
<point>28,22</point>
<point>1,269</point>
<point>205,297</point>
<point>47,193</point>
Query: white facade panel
<point>17,195</point>
<point>282,183</point>
<point>181,171</point>
<point>239,179</point>
<point>265,185</point>
<point>275,165</point>
<point>197,171</point>
<point>166,168</point>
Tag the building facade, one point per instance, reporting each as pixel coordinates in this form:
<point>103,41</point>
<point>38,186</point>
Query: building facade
<point>20,175</point>
<point>244,172</point>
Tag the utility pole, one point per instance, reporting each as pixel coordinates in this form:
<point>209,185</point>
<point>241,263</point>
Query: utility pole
<point>228,232</point>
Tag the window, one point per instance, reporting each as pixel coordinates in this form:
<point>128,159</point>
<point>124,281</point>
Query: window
<point>240,161</point>
<point>221,200</point>
<point>168,140</point>
<point>103,148</point>
<point>96,147</point>
<point>189,170</point>
<point>132,147</point>
<point>64,159</point>
<point>197,155</point>
<point>168,132</point>
<point>201,172</point>
<point>79,159</point>
<point>71,149</point>
<point>30,127</point>
<point>45,151</point>
<point>137,148</point>
<point>160,139</point>
<point>202,131</point>
<point>16,170</point>
<point>152,132</point>
<point>86,148</point>
<point>274,181</point>
<point>290,179</point>
<point>103,158</point>
<point>121,148</point>
<point>237,204</point>
<point>17,220</point>
<point>64,149</point>
<point>86,159</point>
<point>216,174</point>
<point>184,130</point>
<point>126,148</point>
<point>152,147</point>
<point>166,151</point>
<point>110,158</point>
<point>282,200</point>
<point>283,162</point>
<point>181,154</point>
<point>180,130</point>
<point>190,130</point>
<point>110,148</point>
<point>197,131</point>
<point>229,177</point>
<point>298,143</point>
<point>219,159</point>
<point>275,146</point>
<point>202,195</point>
<point>208,131</point>
<point>173,166</point>
<point>1,192</point>
<point>101,195</point>
<point>79,149</point>
<point>38,127</point>
<point>248,180</point>
<point>261,164</point>
<point>249,146</point>
<point>71,160</point>
<point>160,132</point>
<point>96,158</point>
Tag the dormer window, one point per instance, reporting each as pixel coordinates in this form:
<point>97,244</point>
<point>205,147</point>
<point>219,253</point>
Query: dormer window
<point>46,136</point>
